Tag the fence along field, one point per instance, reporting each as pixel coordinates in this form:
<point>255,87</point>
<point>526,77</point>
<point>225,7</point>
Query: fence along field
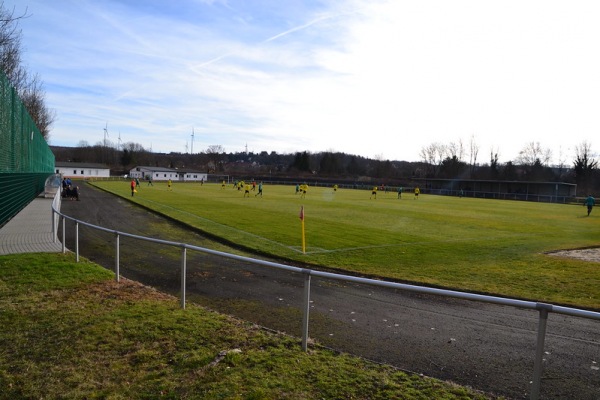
<point>491,246</point>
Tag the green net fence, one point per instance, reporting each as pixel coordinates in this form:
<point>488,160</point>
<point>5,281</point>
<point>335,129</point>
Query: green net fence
<point>25,158</point>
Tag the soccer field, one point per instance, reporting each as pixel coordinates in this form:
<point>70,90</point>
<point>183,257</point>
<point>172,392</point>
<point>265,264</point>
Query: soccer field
<point>482,245</point>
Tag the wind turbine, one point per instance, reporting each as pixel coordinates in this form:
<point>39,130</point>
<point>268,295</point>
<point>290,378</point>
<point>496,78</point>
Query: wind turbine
<point>119,145</point>
<point>104,150</point>
<point>192,152</point>
<point>105,133</point>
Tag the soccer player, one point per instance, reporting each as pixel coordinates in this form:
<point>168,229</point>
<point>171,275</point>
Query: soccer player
<point>169,183</point>
<point>417,191</point>
<point>374,192</point>
<point>399,192</point>
<point>259,190</point>
<point>590,202</point>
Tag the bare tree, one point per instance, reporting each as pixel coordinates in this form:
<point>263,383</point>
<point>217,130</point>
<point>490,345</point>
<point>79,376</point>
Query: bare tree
<point>215,154</point>
<point>33,97</point>
<point>131,153</point>
<point>29,87</point>
<point>562,163</point>
<point>456,150</point>
<point>533,153</point>
<point>428,153</point>
<point>494,163</point>
<point>433,155</point>
<point>215,149</point>
<point>473,153</point>
<point>133,147</point>
<point>584,164</point>
<point>10,47</point>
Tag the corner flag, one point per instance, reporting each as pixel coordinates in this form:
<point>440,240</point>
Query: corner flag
<point>302,223</point>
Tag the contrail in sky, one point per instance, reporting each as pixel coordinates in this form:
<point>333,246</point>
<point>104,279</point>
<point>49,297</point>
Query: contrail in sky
<point>279,35</point>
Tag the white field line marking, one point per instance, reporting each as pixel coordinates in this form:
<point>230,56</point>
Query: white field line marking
<point>220,224</point>
<point>315,250</point>
<point>403,244</point>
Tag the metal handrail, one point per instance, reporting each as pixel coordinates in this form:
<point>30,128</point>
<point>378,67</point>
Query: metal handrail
<point>542,308</point>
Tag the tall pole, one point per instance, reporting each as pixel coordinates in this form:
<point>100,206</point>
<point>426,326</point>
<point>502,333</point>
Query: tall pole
<point>105,133</point>
<point>104,148</point>
<point>302,228</point>
<point>192,152</point>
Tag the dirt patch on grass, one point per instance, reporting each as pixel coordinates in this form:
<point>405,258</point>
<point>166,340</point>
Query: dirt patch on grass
<point>126,290</point>
<point>591,254</point>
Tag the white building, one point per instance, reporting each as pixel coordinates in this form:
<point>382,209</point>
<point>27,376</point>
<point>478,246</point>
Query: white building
<point>164,174</point>
<point>81,170</point>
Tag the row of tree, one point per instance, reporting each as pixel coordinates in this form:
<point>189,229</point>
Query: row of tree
<point>531,165</point>
<point>29,86</point>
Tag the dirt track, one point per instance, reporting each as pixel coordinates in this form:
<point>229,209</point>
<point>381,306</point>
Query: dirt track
<point>490,348</point>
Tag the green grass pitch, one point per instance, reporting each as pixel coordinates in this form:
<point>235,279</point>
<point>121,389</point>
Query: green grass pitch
<point>481,245</point>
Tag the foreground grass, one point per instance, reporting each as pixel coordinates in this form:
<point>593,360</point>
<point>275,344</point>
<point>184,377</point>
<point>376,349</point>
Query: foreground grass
<point>489,246</point>
<point>70,331</point>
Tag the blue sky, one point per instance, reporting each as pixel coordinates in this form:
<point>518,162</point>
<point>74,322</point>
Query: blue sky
<point>375,78</point>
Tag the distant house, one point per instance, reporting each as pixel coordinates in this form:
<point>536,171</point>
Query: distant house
<point>81,170</point>
<point>164,174</point>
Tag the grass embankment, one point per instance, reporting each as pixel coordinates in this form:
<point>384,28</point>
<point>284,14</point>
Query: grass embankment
<point>482,245</point>
<point>70,331</point>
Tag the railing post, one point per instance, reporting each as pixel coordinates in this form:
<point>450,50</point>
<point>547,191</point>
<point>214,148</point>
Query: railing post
<point>183,268</point>
<point>539,351</point>
<point>54,233</point>
<point>306,311</point>
<point>117,256</point>
<point>64,246</point>
<point>77,241</point>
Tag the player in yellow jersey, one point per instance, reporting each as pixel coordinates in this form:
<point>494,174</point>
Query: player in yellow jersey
<point>303,189</point>
<point>374,192</point>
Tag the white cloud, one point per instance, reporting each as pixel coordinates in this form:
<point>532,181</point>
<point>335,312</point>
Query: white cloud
<point>369,78</point>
